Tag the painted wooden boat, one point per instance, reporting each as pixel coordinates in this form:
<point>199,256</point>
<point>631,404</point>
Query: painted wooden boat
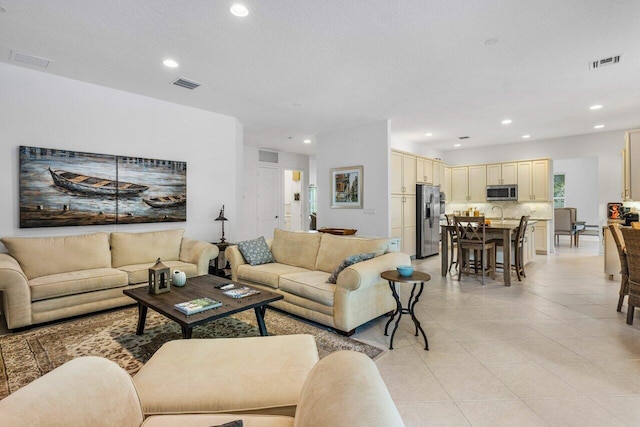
<point>94,185</point>
<point>166,201</point>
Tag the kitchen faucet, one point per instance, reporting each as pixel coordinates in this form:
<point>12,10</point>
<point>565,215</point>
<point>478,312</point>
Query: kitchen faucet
<point>501,212</point>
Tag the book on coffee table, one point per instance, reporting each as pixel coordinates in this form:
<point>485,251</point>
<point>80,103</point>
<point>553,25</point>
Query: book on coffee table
<point>197,305</point>
<point>245,291</point>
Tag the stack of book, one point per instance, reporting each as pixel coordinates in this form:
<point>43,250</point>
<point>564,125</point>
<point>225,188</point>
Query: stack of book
<point>197,305</point>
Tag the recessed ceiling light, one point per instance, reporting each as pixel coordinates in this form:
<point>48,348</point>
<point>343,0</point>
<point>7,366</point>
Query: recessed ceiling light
<point>506,121</point>
<point>428,134</point>
<point>457,145</point>
<point>307,141</point>
<point>170,63</point>
<point>526,136</point>
<point>598,126</point>
<point>239,10</point>
<point>595,107</point>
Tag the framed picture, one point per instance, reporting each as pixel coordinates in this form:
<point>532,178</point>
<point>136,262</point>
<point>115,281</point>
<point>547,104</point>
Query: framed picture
<point>347,187</point>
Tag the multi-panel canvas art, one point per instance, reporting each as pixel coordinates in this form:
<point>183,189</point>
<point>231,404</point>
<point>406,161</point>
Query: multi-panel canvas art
<point>64,188</point>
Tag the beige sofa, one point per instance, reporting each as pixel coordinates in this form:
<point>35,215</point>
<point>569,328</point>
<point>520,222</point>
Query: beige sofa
<point>304,262</point>
<point>343,389</point>
<point>49,278</point>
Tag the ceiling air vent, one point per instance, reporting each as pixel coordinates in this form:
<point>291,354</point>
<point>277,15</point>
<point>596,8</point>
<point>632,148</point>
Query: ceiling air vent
<point>267,156</point>
<point>599,63</point>
<point>30,59</point>
<point>463,137</point>
<point>182,82</point>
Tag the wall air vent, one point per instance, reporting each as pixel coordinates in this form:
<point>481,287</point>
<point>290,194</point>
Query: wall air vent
<point>267,156</point>
<point>189,84</point>
<point>463,137</point>
<point>599,63</point>
<point>30,59</point>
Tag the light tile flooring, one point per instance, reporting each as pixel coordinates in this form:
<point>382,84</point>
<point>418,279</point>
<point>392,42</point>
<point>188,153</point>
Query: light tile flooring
<point>550,350</point>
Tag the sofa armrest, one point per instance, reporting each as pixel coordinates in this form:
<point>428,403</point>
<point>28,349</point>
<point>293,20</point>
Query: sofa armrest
<point>84,391</point>
<point>235,258</point>
<point>16,294</point>
<point>199,253</point>
<point>367,273</point>
<point>346,389</point>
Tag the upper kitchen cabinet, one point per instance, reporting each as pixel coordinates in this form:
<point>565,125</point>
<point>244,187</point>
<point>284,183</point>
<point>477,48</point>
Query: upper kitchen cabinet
<point>403,173</point>
<point>502,173</point>
<point>438,174</point>
<point>533,181</point>
<point>631,166</point>
<point>424,170</point>
<point>445,185</point>
<point>468,183</point>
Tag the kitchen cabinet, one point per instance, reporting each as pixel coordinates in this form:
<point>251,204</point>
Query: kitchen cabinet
<point>529,249</point>
<point>502,173</point>
<point>424,170</point>
<point>468,184</point>
<point>542,240</point>
<point>533,181</point>
<point>403,221</point>
<point>445,185</point>
<point>438,173</point>
<point>631,166</point>
<point>403,173</point>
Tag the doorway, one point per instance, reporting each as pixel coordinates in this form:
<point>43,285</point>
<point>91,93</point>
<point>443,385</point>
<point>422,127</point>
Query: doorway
<point>269,197</point>
<point>294,199</point>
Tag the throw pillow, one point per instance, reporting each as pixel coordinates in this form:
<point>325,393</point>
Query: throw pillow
<point>256,251</point>
<point>236,423</point>
<point>350,260</point>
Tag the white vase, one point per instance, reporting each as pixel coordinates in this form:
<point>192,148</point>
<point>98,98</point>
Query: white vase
<point>179,278</point>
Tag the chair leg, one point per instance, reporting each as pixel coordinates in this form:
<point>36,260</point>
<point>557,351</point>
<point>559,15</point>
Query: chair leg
<point>630,314</point>
<point>620,301</point>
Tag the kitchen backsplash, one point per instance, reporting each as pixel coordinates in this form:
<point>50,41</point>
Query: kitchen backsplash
<point>511,209</point>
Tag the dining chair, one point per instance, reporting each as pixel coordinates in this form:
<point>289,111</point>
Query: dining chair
<point>517,243</point>
<point>563,219</point>
<point>453,238</point>
<point>624,265</point>
<point>472,237</point>
<point>631,239</point>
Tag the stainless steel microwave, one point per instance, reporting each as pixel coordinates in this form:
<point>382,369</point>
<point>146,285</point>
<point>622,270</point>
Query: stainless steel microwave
<point>502,192</point>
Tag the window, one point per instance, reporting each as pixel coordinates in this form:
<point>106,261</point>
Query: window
<point>558,191</point>
<point>312,199</point>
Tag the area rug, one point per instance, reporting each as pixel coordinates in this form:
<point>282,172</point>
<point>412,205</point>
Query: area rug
<point>28,355</point>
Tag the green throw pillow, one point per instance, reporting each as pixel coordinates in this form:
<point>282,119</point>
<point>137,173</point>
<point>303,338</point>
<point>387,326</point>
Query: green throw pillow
<point>350,260</point>
<point>256,251</point>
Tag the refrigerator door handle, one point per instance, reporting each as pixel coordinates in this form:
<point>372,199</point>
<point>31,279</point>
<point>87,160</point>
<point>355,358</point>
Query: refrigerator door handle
<point>429,211</point>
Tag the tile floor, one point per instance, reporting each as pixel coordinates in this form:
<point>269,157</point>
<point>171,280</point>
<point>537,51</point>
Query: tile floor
<point>548,351</point>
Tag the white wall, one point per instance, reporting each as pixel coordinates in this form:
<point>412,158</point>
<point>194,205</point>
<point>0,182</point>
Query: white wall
<point>605,146</point>
<point>366,145</point>
<point>248,215</point>
<point>580,184</point>
<point>415,148</point>
<point>44,110</point>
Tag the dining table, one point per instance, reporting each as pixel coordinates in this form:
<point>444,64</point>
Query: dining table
<point>502,230</point>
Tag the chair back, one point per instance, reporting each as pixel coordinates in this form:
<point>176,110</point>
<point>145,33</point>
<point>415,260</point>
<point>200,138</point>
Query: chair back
<point>631,239</point>
<point>562,219</point>
<point>470,229</point>
<point>522,228</point>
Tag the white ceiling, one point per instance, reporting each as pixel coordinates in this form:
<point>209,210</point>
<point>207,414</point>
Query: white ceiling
<point>296,68</point>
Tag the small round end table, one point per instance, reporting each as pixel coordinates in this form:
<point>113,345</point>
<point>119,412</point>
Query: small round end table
<point>416,278</point>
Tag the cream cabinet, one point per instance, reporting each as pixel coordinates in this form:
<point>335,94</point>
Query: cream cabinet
<point>445,185</point>
<point>533,181</point>
<point>403,221</point>
<point>529,249</point>
<point>424,170</point>
<point>459,184</point>
<point>541,232</point>
<point>403,173</point>
<point>468,184</point>
<point>478,183</point>
<point>631,166</point>
<point>502,173</point>
<point>438,173</point>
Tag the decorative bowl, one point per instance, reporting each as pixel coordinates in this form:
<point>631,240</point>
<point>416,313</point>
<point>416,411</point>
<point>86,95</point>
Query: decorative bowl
<point>405,270</point>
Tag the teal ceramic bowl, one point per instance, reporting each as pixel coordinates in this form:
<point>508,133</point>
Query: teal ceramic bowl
<point>405,270</point>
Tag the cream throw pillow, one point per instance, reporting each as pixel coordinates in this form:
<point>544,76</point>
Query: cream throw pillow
<point>141,248</point>
<point>297,249</point>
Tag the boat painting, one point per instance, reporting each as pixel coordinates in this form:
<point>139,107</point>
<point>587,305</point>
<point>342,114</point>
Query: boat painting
<point>70,188</point>
<point>166,201</point>
<point>94,185</point>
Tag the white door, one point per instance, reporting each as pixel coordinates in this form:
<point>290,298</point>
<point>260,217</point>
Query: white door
<point>268,201</point>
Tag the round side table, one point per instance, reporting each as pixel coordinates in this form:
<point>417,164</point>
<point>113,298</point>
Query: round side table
<point>416,278</point>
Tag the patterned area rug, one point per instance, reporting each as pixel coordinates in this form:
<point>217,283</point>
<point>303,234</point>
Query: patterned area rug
<point>28,355</point>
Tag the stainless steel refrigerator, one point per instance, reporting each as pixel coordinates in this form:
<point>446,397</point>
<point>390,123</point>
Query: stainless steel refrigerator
<point>427,220</point>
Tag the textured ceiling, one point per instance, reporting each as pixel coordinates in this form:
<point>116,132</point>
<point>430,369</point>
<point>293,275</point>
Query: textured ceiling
<point>296,68</point>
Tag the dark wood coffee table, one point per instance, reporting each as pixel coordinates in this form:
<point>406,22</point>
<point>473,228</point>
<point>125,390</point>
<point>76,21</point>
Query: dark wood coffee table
<point>199,287</point>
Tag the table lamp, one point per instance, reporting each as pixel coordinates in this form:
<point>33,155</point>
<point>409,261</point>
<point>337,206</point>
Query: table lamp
<point>223,219</point>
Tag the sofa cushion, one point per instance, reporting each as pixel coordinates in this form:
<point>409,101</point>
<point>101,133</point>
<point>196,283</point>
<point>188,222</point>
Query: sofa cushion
<point>266,274</point>
<point>139,273</point>
<point>334,249</point>
<point>43,256</point>
<point>350,260</point>
<point>76,282</point>
<point>256,251</point>
<point>311,285</point>
<point>295,248</point>
<point>140,248</point>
